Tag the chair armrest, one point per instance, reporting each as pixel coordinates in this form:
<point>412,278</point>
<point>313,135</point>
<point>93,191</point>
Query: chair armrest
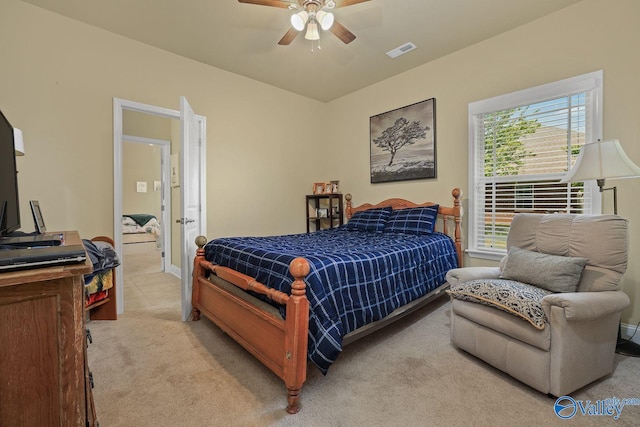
<point>459,275</point>
<point>586,305</point>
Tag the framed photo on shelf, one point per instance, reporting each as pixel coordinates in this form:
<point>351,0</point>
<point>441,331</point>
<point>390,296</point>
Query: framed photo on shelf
<point>335,186</point>
<point>403,143</point>
<point>322,213</point>
<point>328,188</point>
<point>318,188</point>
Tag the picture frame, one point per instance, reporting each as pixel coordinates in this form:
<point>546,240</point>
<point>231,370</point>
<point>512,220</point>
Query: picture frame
<point>328,188</point>
<point>403,143</point>
<point>141,186</point>
<point>318,188</point>
<point>38,219</point>
<point>335,186</point>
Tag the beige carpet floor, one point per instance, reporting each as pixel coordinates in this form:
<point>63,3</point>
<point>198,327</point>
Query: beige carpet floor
<point>151,369</point>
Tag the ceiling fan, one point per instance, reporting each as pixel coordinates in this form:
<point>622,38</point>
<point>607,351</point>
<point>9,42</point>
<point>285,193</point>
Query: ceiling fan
<point>311,14</point>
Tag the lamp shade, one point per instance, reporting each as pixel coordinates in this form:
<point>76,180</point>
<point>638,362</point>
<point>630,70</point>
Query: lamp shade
<point>602,160</point>
<point>18,142</point>
<point>299,20</point>
<point>325,19</point>
<point>312,31</point>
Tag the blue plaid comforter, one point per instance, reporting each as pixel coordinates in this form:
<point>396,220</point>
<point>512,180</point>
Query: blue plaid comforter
<point>356,277</point>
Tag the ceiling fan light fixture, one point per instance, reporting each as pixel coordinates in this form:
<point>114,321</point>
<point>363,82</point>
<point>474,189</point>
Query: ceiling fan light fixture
<point>299,20</point>
<point>325,19</point>
<point>312,31</point>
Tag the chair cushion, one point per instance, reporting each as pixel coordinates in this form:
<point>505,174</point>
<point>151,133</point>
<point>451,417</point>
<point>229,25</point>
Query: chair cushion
<point>551,272</point>
<point>520,299</point>
<point>603,239</point>
<point>502,322</point>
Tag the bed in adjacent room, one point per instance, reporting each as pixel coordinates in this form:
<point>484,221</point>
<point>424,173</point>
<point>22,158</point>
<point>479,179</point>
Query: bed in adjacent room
<point>289,299</point>
<point>140,228</point>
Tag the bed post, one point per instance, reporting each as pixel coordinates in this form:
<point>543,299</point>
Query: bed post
<point>349,206</point>
<point>197,272</point>
<point>297,327</point>
<point>457,216</point>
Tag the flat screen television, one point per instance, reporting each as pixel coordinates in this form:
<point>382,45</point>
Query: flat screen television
<point>9,204</point>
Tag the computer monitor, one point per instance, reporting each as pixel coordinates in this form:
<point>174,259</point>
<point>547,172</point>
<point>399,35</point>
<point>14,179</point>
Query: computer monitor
<point>9,203</point>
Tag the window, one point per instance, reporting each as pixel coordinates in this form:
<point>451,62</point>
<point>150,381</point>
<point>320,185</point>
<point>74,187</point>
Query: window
<point>521,145</point>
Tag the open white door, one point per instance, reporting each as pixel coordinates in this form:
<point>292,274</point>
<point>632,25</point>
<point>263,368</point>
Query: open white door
<point>192,180</point>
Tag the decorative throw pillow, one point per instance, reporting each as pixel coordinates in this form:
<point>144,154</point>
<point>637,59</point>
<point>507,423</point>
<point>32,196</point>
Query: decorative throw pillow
<point>369,220</point>
<point>420,220</point>
<point>520,299</point>
<point>552,272</point>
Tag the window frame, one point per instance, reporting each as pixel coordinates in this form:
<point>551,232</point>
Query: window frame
<point>592,82</point>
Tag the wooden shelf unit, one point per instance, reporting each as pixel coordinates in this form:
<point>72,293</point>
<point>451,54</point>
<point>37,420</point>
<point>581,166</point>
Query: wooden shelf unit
<point>327,201</point>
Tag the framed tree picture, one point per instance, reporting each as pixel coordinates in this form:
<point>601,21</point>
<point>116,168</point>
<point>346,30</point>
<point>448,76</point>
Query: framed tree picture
<point>403,143</point>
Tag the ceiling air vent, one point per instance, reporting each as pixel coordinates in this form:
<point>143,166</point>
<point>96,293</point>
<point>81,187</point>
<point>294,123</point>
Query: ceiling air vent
<point>401,50</point>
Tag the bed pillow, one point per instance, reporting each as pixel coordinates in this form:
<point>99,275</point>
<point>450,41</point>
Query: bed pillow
<point>520,299</point>
<point>552,272</point>
<point>369,220</point>
<point>420,220</point>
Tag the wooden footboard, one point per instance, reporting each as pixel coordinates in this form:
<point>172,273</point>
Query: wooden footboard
<point>279,344</point>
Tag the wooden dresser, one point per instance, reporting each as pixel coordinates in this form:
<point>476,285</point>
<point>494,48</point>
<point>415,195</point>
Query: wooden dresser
<point>44,380</point>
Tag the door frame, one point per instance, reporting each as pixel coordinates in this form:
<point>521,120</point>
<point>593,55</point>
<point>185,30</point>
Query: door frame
<point>119,105</point>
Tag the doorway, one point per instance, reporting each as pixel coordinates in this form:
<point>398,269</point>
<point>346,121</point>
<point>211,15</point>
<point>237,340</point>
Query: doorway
<point>146,201</point>
<point>192,137</point>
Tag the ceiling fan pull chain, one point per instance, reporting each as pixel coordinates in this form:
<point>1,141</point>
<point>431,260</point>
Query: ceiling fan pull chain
<point>318,45</point>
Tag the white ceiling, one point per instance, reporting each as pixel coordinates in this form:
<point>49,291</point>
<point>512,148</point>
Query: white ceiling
<point>242,38</point>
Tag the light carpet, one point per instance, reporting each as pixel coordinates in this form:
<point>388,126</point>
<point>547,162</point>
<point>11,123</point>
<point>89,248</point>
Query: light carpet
<point>151,369</point>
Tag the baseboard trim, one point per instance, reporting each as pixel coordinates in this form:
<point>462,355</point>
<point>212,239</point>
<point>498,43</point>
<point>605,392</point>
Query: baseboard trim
<point>627,330</point>
<point>175,271</point>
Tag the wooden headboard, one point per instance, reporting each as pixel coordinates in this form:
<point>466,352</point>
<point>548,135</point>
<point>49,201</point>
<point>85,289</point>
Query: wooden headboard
<point>446,213</point>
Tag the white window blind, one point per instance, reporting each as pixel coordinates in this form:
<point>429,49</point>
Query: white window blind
<point>521,146</point>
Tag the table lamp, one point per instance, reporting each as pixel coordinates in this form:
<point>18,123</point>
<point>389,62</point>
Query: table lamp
<point>606,160</point>
<point>602,160</point>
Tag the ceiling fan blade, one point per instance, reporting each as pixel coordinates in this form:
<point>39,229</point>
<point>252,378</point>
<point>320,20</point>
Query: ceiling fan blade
<point>273,3</point>
<point>342,33</point>
<point>288,37</point>
<point>345,3</point>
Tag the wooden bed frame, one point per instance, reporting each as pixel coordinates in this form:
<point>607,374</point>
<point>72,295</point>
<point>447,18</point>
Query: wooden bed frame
<point>104,309</point>
<point>281,344</point>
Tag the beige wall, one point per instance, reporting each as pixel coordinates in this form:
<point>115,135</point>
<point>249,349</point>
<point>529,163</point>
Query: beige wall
<point>140,163</point>
<point>573,41</point>
<point>59,77</point>
<point>57,83</point>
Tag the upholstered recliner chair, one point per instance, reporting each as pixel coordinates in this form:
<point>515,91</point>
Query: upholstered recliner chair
<point>549,314</point>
